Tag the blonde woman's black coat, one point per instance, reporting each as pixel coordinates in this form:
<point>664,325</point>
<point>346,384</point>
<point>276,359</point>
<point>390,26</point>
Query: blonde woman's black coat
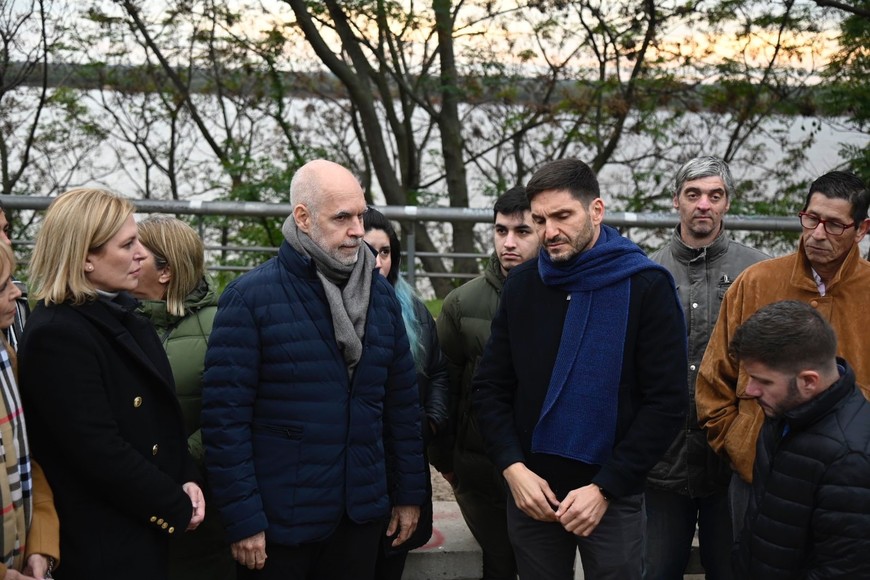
<point>106,427</point>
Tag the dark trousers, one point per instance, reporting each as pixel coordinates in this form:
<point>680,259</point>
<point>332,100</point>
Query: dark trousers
<point>739,497</point>
<point>614,551</point>
<point>670,527</point>
<point>481,496</point>
<point>390,566</point>
<point>348,554</point>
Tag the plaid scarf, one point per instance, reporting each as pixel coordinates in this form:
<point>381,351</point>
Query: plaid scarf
<point>17,495</point>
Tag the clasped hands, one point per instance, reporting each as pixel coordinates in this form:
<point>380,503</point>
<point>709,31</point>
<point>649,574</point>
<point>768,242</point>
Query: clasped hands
<point>579,513</point>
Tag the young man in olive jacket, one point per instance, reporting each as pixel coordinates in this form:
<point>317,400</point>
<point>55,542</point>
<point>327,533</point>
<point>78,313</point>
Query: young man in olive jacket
<point>580,389</point>
<point>810,500</point>
<point>463,329</point>
<point>690,483</point>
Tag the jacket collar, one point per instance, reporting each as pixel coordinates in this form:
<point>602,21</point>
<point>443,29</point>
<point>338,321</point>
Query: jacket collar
<point>108,316</point>
<point>802,274</point>
<point>684,253</point>
<point>493,274</point>
<point>811,411</point>
<point>155,310</point>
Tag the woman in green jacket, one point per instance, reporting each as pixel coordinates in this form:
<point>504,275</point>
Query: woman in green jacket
<point>181,305</point>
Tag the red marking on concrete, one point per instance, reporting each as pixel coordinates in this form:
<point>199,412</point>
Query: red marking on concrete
<point>436,541</point>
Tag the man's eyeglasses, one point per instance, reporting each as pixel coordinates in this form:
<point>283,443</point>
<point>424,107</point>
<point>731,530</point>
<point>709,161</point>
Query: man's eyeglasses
<point>811,222</point>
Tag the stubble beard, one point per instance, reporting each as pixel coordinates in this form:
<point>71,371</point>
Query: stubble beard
<point>335,253</point>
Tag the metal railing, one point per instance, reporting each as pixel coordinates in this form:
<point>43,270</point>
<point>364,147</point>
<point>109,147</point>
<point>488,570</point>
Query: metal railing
<point>399,213</point>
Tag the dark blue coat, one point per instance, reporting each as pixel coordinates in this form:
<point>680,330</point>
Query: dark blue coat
<point>292,442</point>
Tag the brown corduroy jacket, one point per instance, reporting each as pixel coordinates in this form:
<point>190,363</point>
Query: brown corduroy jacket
<point>731,418</point>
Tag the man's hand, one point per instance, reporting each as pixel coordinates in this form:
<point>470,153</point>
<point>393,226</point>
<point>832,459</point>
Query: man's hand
<point>251,552</point>
<point>36,567</point>
<point>404,520</point>
<point>532,494</point>
<point>197,500</point>
<point>582,510</point>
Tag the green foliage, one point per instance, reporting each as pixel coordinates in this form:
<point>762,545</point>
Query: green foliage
<point>434,306</point>
<point>225,100</point>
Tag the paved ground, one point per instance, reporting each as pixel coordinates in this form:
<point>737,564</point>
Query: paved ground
<point>441,490</point>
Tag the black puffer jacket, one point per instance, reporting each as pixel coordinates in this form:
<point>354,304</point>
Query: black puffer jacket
<point>810,516</point>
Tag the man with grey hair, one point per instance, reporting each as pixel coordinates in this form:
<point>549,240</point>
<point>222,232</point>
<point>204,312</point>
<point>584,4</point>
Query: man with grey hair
<point>689,485</point>
<point>309,390</point>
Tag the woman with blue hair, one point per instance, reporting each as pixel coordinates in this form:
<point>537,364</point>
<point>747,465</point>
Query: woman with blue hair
<point>431,377</point>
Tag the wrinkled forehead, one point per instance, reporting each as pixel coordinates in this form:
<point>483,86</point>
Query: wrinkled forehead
<point>830,207</point>
<point>341,197</point>
<point>708,184</point>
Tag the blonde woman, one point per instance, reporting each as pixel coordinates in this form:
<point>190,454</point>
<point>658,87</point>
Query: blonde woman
<point>178,300</point>
<point>29,533</point>
<point>104,421</point>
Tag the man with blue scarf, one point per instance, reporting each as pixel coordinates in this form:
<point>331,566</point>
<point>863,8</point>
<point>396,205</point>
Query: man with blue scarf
<point>581,387</point>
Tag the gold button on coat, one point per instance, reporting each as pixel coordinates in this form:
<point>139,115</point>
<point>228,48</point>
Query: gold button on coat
<point>155,449</point>
<point>160,521</point>
<point>137,402</point>
<point>171,530</point>
<point>164,525</point>
<point>153,519</point>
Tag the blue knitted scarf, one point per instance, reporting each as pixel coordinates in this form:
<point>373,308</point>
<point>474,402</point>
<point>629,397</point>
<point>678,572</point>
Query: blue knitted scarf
<point>578,418</point>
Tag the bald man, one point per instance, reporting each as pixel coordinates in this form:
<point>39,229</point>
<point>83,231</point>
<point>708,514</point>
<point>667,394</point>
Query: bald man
<point>309,388</point>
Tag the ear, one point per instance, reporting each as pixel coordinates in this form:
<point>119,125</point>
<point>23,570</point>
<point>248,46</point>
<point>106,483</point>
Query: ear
<point>810,383</point>
<point>596,211</point>
<point>88,266</point>
<point>862,230</point>
<point>676,201</point>
<point>165,275</point>
<point>303,218</point>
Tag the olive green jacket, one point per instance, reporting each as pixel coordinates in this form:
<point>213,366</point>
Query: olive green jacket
<point>203,554</point>
<point>185,339</point>
<point>463,329</point>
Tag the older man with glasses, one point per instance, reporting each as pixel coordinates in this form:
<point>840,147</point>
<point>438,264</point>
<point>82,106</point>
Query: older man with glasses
<point>828,273</point>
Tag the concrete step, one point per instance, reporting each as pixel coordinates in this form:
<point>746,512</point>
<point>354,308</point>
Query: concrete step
<point>452,552</point>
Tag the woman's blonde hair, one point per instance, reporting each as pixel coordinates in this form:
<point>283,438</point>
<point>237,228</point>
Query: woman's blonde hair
<point>77,223</point>
<point>175,244</point>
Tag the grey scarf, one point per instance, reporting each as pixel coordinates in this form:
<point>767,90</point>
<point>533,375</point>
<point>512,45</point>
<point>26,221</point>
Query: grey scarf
<point>348,289</point>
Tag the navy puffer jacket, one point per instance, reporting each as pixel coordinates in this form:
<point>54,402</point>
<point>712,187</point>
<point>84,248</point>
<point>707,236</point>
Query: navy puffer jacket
<point>292,442</point>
